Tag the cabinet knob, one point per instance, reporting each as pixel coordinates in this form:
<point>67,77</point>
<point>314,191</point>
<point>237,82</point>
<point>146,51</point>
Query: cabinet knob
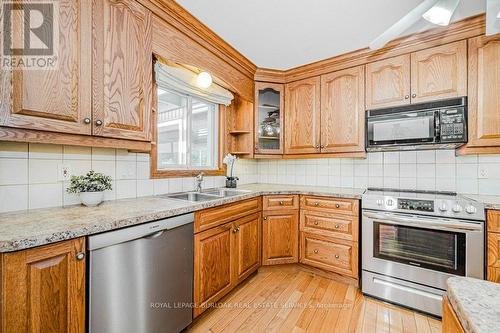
<point>238,229</point>
<point>80,256</point>
<point>281,203</point>
<point>316,204</point>
<point>315,251</point>
<point>322,146</point>
<point>407,96</point>
<point>336,256</point>
<point>337,226</point>
<point>86,121</point>
<point>414,95</point>
<point>337,206</point>
<point>317,146</point>
<point>235,231</point>
<point>98,122</point>
<point>265,218</point>
<point>316,223</point>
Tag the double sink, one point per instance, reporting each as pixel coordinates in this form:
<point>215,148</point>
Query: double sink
<point>206,195</point>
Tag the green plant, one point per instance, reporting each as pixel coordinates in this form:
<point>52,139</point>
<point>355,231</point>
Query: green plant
<point>91,182</point>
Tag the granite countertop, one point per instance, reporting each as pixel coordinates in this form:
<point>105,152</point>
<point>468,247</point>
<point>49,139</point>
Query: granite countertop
<point>476,303</point>
<point>489,201</point>
<point>26,229</point>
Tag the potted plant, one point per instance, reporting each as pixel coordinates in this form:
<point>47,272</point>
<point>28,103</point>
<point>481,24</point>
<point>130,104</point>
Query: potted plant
<point>90,187</point>
<point>229,160</point>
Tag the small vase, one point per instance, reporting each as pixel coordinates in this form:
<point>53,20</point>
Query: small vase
<point>231,182</point>
<point>91,199</point>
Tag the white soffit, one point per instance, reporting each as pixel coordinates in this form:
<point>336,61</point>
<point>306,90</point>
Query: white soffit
<point>283,34</point>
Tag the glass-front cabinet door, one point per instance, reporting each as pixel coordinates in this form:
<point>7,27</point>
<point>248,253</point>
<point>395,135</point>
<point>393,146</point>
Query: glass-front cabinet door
<point>268,118</point>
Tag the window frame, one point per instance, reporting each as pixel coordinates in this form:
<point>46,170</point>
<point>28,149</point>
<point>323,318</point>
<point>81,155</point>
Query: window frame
<point>178,173</point>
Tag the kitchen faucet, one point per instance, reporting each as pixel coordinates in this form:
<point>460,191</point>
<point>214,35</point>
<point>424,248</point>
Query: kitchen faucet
<point>199,181</point>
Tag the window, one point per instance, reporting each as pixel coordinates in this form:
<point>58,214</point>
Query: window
<point>187,132</point>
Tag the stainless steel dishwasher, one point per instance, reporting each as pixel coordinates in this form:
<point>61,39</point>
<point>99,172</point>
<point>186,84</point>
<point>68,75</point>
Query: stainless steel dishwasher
<point>141,278</point>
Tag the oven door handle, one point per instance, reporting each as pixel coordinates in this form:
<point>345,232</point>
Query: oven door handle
<point>420,222</point>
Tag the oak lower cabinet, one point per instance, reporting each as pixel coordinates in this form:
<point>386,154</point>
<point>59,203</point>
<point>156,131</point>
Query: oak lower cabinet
<point>450,322</point>
<point>493,245</point>
<point>224,256</point>
<point>43,289</point>
<point>57,100</point>
<point>280,237</point>
<point>122,69</point>
<point>329,234</point>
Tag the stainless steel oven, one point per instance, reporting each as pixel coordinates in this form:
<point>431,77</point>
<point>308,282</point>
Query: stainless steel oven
<point>431,125</point>
<point>407,256</point>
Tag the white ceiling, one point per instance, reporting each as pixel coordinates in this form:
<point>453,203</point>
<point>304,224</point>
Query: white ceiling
<point>283,34</point>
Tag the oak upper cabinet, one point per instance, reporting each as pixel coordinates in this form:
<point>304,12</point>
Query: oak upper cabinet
<point>343,111</point>
<point>213,265</point>
<point>122,70</point>
<point>388,82</point>
<point>280,237</point>
<point>302,116</point>
<point>439,72</point>
<point>269,101</point>
<point>247,237</point>
<point>56,100</point>
<point>484,87</point>
<point>43,289</point>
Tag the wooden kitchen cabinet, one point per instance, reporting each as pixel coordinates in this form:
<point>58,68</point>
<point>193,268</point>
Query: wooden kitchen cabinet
<point>280,237</point>
<point>450,322</point>
<point>302,116</point>
<point>43,289</point>
<point>269,103</point>
<point>483,97</point>
<point>493,245</point>
<point>223,257</point>
<point>343,111</point>
<point>122,69</point>
<point>388,82</point>
<point>439,72</point>
<point>56,100</point>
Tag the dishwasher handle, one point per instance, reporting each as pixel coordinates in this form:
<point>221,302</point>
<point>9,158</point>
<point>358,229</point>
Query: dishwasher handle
<point>147,230</point>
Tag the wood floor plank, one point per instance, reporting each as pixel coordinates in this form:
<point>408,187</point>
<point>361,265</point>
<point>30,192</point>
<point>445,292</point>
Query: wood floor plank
<point>289,299</point>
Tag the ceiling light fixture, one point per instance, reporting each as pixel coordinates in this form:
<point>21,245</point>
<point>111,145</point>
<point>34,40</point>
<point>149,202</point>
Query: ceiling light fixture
<point>204,80</point>
<point>441,12</point>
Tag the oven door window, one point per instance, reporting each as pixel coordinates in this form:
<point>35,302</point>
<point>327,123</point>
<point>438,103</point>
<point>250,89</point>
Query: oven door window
<point>438,250</point>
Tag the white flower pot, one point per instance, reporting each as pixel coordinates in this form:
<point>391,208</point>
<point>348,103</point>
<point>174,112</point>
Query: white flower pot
<point>91,199</point>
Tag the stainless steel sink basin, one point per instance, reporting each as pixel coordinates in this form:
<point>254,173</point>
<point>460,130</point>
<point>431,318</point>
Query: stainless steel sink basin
<point>192,196</point>
<point>225,192</point>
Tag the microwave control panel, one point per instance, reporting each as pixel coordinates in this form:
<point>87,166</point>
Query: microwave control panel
<point>414,204</point>
<point>452,123</point>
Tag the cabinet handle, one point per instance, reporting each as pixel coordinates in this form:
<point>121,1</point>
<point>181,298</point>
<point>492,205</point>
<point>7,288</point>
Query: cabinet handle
<point>235,231</point>
<point>98,122</point>
<point>336,256</point>
<point>265,218</point>
<point>407,96</point>
<point>317,146</point>
<point>281,203</point>
<point>238,229</point>
<point>86,121</point>
<point>316,223</point>
<point>316,204</point>
<point>80,256</point>
<point>337,206</point>
<point>414,95</point>
<point>322,146</point>
<point>336,226</point>
<point>315,251</point>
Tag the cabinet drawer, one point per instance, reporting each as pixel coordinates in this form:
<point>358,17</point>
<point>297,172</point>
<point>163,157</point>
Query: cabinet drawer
<point>493,220</point>
<point>340,206</point>
<point>276,202</point>
<point>332,255</point>
<point>328,224</point>
<point>212,217</point>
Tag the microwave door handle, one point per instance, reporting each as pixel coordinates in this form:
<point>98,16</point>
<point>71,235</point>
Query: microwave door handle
<point>420,222</point>
<point>437,126</point>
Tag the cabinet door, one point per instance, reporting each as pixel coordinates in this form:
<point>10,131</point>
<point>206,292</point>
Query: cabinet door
<point>57,100</point>
<point>247,238</point>
<point>439,72</point>
<point>493,255</point>
<point>43,289</point>
<point>302,116</point>
<point>343,111</point>
<point>484,85</point>
<point>388,82</point>
<point>213,251</point>
<point>280,241</point>
<point>269,101</point>
<point>122,71</point>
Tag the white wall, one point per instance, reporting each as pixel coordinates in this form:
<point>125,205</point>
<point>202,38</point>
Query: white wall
<point>424,170</point>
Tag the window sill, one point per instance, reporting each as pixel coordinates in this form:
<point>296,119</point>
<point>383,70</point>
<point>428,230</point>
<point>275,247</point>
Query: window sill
<point>156,174</point>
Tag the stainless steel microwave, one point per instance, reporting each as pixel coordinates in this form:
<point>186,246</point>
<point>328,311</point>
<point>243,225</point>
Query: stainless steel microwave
<point>432,125</point>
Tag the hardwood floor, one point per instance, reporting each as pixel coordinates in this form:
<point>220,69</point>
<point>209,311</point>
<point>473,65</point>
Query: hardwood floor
<point>289,299</point>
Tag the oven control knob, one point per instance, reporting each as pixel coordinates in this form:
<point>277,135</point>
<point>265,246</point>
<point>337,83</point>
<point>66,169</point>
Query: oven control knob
<point>457,209</point>
<point>443,207</point>
<point>470,209</point>
<point>380,202</point>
